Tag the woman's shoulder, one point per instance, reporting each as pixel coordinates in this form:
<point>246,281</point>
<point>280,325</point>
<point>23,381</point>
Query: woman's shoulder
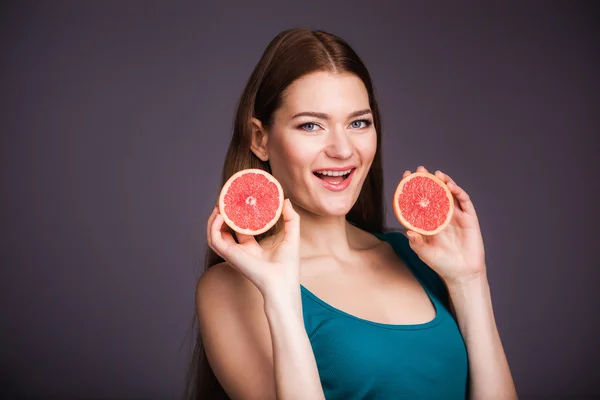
<point>222,287</point>
<point>235,332</point>
<point>217,276</point>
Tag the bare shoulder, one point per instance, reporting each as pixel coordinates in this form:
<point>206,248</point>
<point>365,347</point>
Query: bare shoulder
<point>217,278</point>
<point>221,288</point>
<point>235,332</point>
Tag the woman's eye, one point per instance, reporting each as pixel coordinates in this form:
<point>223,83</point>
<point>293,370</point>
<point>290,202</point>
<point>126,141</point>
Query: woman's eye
<point>357,124</point>
<point>309,126</point>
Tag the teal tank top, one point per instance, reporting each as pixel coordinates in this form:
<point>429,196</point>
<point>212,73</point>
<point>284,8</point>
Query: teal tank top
<point>361,359</point>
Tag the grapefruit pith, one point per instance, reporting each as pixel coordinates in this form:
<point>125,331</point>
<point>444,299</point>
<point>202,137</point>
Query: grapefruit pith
<point>423,203</point>
<point>251,201</point>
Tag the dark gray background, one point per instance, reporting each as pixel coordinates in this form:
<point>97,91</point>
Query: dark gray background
<point>115,117</point>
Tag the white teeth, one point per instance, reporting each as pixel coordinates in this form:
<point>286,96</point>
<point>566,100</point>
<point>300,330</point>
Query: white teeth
<point>334,173</point>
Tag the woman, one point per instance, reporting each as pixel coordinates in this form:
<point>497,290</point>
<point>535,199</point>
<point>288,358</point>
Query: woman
<point>329,303</point>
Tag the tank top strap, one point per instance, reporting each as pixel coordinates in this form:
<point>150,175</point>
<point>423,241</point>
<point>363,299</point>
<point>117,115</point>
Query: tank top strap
<point>430,280</point>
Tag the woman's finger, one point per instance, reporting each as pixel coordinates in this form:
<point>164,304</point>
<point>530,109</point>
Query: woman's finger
<point>230,251</point>
<point>463,198</point>
<point>221,239</point>
<point>406,173</point>
<point>291,221</point>
<point>416,239</point>
<point>209,223</point>
<point>447,180</point>
<point>210,234</point>
<point>444,177</point>
<point>224,244</point>
<point>249,242</point>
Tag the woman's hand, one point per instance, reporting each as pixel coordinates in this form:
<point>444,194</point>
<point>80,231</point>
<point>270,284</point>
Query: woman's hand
<point>274,270</point>
<point>456,253</point>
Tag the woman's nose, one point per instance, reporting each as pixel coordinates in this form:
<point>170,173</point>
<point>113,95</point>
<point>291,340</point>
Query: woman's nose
<point>339,144</point>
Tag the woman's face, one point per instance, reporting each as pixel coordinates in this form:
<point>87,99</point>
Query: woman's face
<point>322,142</point>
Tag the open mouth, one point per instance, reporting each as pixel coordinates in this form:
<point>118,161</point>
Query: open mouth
<point>327,175</point>
<point>335,179</point>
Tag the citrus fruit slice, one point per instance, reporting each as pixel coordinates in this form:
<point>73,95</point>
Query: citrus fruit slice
<point>251,201</point>
<point>423,203</point>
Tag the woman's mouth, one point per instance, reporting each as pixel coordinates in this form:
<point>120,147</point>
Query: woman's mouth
<point>335,180</point>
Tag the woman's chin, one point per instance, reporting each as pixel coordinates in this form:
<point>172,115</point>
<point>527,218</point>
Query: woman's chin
<point>337,209</point>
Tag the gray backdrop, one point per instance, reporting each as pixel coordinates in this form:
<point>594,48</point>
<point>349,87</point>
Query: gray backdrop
<point>115,117</point>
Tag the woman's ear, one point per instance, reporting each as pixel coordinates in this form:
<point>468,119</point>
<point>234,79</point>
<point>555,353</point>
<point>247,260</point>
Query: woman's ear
<point>259,140</point>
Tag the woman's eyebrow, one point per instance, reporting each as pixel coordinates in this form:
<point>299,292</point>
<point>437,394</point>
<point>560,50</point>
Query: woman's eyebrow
<point>326,117</point>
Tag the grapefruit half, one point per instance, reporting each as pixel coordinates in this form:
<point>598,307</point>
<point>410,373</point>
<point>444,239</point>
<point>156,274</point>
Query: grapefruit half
<point>423,203</point>
<point>251,201</point>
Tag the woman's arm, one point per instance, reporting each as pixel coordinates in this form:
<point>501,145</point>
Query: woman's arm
<point>489,374</point>
<point>258,349</point>
<point>250,312</point>
<point>457,254</point>
<point>294,364</point>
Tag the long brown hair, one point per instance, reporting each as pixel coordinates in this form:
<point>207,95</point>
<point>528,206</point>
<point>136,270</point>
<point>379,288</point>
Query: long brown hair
<point>290,55</point>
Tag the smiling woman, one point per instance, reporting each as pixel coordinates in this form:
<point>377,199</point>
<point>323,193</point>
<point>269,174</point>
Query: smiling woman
<point>336,144</point>
<point>329,303</point>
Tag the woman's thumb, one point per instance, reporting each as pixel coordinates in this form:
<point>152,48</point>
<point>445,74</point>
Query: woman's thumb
<point>415,239</point>
<point>291,221</point>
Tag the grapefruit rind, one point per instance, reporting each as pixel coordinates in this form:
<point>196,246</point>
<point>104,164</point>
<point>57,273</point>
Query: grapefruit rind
<point>222,204</point>
<point>398,212</point>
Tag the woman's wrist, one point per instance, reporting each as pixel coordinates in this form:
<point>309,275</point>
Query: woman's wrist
<point>284,301</point>
<point>467,283</point>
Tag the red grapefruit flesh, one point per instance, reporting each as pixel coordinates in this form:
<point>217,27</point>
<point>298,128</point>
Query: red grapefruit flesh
<point>423,203</point>
<point>251,201</point>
